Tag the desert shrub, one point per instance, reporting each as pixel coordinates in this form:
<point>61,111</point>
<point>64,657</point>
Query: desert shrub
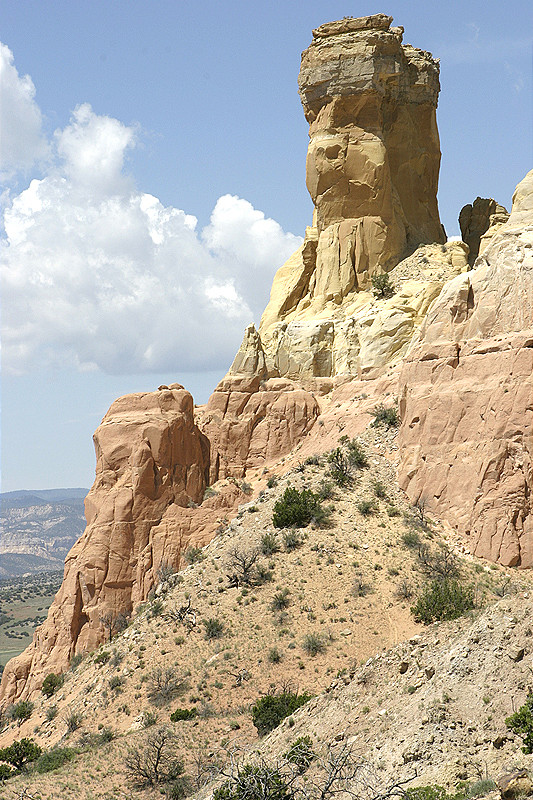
<point>164,684</point>
<point>105,735</point>
<point>440,562</point>
<point>272,481</point>
<point>246,487</point>
<point>20,753</point>
<point>75,661</point>
<point>116,682</point>
<point>154,762</point>
<point>366,507</point>
<point>263,574</point>
<point>274,656</point>
<point>356,454</point>
<point>292,540</point>
<point>269,711</point>
<point>51,713</point>
<point>385,415</point>
<point>411,539</point>
<point>102,657</point>
<point>184,714</point>
<point>73,720</point>
<point>301,753</point>
<point>214,628</point>
<point>156,608</point>
<point>443,599</point>
<point>241,564</point>
<point>254,783</point>
<point>480,788</point>
<point>312,461</point>
<point>360,588</point>
<point>52,683</point>
<point>280,600</point>
<point>54,758</point>
<point>326,490</point>
<point>21,711</point>
<point>382,286</point>
<point>379,489</point>
<point>339,467</point>
<point>269,544</point>
<point>295,509</point>
<point>313,644</point>
<point>521,722</point>
<point>404,590</point>
<point>193,555</point>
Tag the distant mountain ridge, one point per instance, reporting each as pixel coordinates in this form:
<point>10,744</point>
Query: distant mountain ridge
<point>38,528</point>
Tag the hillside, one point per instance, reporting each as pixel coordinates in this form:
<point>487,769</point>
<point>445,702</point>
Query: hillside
<point>320,602</point>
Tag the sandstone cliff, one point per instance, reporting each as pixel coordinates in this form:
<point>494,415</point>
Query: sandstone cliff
<point>467,397</point>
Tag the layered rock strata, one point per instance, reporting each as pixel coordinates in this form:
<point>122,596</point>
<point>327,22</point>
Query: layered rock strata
<point>466,390</point>
<point>372,172</point>
<point>152,465</point>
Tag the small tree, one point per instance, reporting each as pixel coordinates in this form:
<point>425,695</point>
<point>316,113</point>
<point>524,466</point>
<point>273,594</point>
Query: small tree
<point>22,711</point>
<point>296,509</point>
<point>20,753</point>
<point>241,565</point>
<point>155,762</point>
<point>382,286</point>
<point>51,683</point>
<point>443,599</point>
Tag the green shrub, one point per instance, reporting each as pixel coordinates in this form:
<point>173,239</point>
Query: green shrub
<point>379,489</point>
<point>280,600</point>
<point>22,711</point>
<point>75,661</point>
<point>274,656</point>
<point>20,753</point>
<point>115,682</point>
<point>326,490</point>
<point>254,783</point>
<point>269,544</point>
<point>54,758</point>
<point>214,628</point>
<point>313,644</point>
<point>103,657</point>
<point>272,481</point>
<point>340,470</point>
<point>443,599</point>
<point>74,721</point>
<point>269,711</point>
<point>292,540</point>
<point>301,753</point>
<point>356,454</point>
<point>295,509</point>
<point>184,714</point>
<point>51,683</point>
<point>366,507</point>
<point>382,286</point>
<point>193,555</point>
<point>521,722</point>
<point>51,713</point>
<point>384,415</point>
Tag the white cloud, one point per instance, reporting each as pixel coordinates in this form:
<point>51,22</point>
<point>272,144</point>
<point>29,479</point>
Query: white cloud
<point>21,139</point>
<point>100,276</point>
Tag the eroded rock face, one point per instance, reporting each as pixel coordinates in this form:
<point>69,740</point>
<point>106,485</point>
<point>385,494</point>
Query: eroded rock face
<point>372,172</point>
<point>479,222</point>
<point>467,397</point>
<point>251,423</point>
<point>152,463</point>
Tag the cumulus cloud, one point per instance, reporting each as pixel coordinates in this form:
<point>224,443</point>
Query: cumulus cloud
<point>21,142</point>
<point>98,275</point>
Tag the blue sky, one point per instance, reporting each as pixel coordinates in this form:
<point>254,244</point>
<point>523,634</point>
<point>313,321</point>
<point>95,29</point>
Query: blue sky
<point>166,145</point>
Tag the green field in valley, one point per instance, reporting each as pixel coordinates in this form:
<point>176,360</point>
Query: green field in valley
<point>24,604</point>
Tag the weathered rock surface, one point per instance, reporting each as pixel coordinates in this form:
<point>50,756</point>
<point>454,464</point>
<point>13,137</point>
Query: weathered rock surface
<point>152,464</point>
<point>479,222</point>
<point>467,397</point>
<point>251,423</point>
<point>372,172</point>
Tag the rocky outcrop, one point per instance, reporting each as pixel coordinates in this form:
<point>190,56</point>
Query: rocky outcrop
<point>372,172</point>
<point>479,222</point>
<point>152,470</point>
<point>252,423</point>
<point>467,397</point>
